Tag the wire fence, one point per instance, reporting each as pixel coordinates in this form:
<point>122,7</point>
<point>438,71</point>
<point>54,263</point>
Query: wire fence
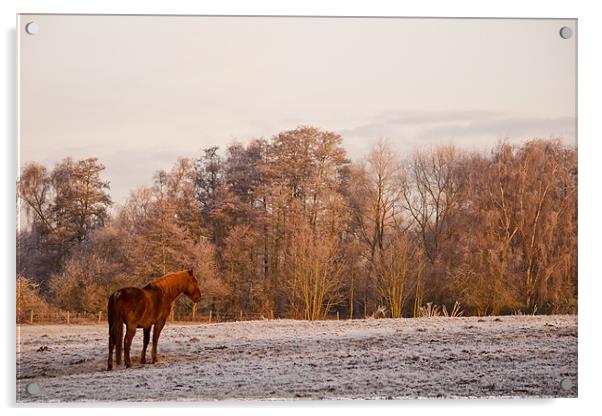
<point>33,317</point>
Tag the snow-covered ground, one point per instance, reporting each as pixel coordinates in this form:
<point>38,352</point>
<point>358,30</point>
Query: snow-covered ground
<point>509,356</point>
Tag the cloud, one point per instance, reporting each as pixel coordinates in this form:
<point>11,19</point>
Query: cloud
<point>474,130</point>
<point>435,126</point>
<point>428,117</point>
<point>513,127</point>
<point>388,122</point>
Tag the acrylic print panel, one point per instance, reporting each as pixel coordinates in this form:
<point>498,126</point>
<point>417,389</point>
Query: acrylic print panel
<point>296,208</point>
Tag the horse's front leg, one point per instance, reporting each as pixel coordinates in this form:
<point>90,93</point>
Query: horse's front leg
<point>145,344</point>
<point>156,332</point>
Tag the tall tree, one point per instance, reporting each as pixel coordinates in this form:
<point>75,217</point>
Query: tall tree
<point>432,200</point>
<point>62,206</point>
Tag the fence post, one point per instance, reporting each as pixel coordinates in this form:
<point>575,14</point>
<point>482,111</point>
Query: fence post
<point>67,317</point>
<point>210,312</point>
<point>194,312</point>
<point>240,315</point>
<point>31,316</point>
<point>337,315</point>
<point>99,316</point>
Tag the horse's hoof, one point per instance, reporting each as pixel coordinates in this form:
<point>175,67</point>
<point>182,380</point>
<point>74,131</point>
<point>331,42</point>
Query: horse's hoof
<point>142,362</point>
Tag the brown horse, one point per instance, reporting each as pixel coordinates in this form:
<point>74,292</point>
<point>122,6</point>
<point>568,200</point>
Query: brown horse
<point>143,308</point>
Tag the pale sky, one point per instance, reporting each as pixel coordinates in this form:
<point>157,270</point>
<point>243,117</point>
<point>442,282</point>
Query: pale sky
<point>140,91</point>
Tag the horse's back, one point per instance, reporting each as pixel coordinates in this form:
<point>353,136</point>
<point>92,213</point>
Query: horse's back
<point>129,302</point>
<point>127,295</point>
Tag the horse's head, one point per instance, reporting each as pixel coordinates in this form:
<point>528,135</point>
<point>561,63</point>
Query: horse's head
<point>192,289</point>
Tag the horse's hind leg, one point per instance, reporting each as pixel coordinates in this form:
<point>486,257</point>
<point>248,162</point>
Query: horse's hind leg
<point>115,331</point>
<point>129,335</point>
<point>145,344</point>
<point>118,342</point>
<point>111,347</point>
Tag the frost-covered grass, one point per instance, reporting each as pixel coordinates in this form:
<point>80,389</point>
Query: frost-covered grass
<point>510,356</point>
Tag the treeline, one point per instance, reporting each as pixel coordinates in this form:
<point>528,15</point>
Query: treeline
<point>289,227</point>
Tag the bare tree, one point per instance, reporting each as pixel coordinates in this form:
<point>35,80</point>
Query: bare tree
<point>314,274</point>
<point>524,202</point>
<point>375,203</point>
<point>397,269</point>
<point>433,199</point>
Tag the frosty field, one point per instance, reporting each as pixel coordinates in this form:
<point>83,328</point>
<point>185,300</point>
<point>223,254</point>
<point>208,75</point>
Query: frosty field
<point>509,356</point>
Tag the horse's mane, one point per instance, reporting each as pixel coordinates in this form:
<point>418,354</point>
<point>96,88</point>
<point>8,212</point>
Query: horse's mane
<point>169,283</point>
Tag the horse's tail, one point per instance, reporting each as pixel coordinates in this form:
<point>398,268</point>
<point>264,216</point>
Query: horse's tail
<point>115,329</point>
